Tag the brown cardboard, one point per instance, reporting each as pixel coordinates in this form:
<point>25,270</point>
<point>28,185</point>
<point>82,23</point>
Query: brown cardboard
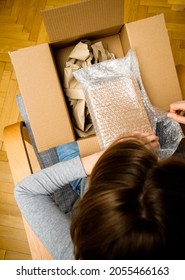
<point>42,95</point>
<point>38,79</point>
<point>150,39</point>
<point>90,19</point>
<point>88,146</point>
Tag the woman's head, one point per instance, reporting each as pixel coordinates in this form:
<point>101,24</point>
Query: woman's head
<point>128,211</point>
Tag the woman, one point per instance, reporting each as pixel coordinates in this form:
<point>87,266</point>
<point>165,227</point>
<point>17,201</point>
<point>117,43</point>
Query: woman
<point>132,208</point>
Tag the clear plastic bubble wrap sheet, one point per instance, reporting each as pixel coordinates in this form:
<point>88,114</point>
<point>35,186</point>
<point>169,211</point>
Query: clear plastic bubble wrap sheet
<point>114,97</point>
<point>118,103</point>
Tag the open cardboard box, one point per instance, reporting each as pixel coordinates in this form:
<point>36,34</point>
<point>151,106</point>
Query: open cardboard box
<point>38,71</point>
<point>39,68</point>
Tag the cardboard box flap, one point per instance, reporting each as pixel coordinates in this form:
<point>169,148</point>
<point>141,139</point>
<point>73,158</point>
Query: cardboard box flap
<point>149,37</point>
<point>43,97</point>
<point>83,18</point>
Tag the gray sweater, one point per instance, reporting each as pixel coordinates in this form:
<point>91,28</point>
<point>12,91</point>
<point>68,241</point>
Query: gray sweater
<point>33,196</point>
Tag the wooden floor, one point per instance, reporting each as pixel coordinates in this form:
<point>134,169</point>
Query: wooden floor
<point>21,26</point>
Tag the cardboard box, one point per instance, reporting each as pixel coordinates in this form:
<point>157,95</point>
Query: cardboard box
<point>39,68</point>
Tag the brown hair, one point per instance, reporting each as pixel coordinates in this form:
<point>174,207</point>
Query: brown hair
<point>134,208</point>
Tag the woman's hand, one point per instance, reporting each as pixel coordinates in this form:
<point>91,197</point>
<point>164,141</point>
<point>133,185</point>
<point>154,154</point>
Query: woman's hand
<point>177,111</point>
<point>148,139</point>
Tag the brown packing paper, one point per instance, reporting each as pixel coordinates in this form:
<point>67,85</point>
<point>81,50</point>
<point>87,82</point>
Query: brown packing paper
<point>83,55</point>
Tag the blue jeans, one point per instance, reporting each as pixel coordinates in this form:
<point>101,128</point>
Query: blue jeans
<point>66,152</point>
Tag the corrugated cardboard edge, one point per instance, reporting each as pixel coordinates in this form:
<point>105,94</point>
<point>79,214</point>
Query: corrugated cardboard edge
<point>82,19</point>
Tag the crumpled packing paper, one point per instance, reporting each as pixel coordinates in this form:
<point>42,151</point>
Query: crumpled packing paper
<point>83,55</point>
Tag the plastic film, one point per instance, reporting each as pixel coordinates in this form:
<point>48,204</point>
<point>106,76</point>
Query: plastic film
<point>111,91</point>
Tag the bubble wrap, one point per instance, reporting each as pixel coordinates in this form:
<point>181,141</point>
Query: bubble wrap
<point>115,106</point>
<point>112,74</point>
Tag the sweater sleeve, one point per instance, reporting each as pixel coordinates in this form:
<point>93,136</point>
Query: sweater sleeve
<point>33,196</point>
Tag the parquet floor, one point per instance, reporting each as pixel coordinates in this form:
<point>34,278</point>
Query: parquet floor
<point>21,26</point>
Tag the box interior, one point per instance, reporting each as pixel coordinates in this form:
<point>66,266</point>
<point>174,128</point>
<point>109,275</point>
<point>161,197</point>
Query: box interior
<point>40,80</point>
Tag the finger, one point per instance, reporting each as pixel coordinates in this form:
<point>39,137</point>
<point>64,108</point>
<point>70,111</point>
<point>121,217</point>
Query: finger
<point>179,105</point>
<point>152,138</point>
<point>153,145</point>
<point>176,117</point>
<point>149,137</point>
<point>142,134</point>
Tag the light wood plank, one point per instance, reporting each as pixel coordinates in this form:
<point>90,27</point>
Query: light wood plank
<point>8,66</point>
<point>7,198</point>
<point>13,233</point>
<point>9,3</point>
<point>179,36</point>
<point>9,104</point>
<point>5,11</point>
<point>159,3</point>
<point>42,35</point>
<point>181,57</point>
<point>4,57</point>
<point>181,74</point>
<point>23,14</point>
<point>60,2</point>
<point>4,83</point>
<point>3,156</point>
<point>179,28</point>
<point>2,66</point>
<point>16,8</point>
<point>8,44</point>
<point>178,7</point>
<point>6,187</point>
<point>182,44</point>
<point>131,8</point>
<point>14,245</point>
<point>170,16</point>
<point>5,173</point>
<point>11,220</point>
<point>22,36</point>
<point>10,255</point>
<point>10,210</point>
<point>176,2</point>
<point>11,27</point>
<point>2,4</point>
<point>31,13</point>
<point>37,21</point>
<point>2,254</point>
<point>7,19</point>
<point>142,12</point>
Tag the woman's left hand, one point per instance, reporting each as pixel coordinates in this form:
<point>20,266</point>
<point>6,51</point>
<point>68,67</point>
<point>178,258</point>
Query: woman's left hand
<point>150,140</point>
